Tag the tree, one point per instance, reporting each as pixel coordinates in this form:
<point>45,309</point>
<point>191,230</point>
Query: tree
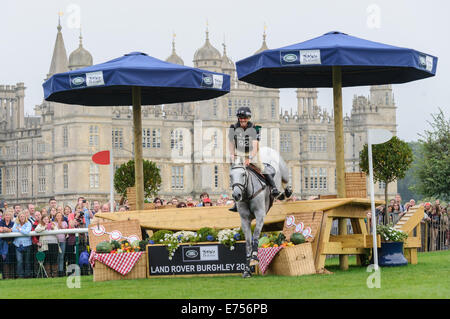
<point>433,167</point>
<point>124,177</point>
<point>391,160</point>
<point>406,186</point>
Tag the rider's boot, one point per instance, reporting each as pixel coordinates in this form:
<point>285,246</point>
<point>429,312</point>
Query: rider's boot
<point>234,208</point>
<point>269,178</point>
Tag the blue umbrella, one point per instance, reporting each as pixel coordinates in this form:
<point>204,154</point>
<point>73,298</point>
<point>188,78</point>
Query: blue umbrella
<point>335,60</point>
<point>135,79</point>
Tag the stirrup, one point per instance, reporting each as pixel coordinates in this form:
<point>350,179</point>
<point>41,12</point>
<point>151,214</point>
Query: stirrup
<point>275,192</point>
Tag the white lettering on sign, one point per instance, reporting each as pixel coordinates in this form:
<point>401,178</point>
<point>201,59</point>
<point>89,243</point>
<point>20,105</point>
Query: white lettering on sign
<point>217,81</point>
<point>209,252</point>
<point>94,78</point>
<point>310,57</point>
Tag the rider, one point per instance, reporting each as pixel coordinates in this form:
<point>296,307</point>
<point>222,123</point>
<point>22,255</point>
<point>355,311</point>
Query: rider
<point>243,138</point>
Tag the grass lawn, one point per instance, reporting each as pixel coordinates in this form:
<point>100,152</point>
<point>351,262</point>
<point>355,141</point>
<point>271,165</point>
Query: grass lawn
<point>429,279</point>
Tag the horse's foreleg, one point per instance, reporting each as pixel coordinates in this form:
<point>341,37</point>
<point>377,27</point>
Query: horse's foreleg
<point>256,233</point>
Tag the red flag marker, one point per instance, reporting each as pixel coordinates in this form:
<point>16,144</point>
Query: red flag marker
<point>101,158</point>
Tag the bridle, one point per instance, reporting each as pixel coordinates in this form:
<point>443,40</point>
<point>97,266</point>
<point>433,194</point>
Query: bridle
<point>244,186</point>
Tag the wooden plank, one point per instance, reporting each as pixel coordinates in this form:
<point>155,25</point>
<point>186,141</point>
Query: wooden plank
<point>335,248</point>
<point>194,218</point>
<point>412,221</point>
<point>350,241</point>
<point>413,242</point>
<point>324,237</point>
<point>343,260</point>
<point>411,255</point>
<point>369,241</point>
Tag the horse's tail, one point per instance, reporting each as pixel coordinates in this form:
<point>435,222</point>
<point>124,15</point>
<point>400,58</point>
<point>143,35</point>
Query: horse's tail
<point>284,170</point>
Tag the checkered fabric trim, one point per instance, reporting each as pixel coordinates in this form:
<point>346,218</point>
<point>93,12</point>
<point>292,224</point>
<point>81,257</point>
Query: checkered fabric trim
<point>123,263</point>
<point>265,256</point>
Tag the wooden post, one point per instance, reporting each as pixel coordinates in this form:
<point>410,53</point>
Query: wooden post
<point>138,164</point>
<point>343,259</point>
<point>339,131</point>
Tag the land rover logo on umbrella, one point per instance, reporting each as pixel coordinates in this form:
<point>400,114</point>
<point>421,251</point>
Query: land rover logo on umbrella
<point>78,80</point>
<point>208,80</point>
<point>289,58</point>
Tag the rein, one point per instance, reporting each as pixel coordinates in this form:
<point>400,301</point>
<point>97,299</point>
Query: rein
<point>244,187</point>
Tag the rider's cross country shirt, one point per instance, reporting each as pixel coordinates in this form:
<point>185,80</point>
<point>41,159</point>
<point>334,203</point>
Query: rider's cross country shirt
<point>243,139</point>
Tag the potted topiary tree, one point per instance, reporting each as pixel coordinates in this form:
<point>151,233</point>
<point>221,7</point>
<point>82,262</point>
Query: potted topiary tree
<point>391,252</point>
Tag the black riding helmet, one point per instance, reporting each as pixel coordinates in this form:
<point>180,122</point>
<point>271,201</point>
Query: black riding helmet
<point>244,111</point>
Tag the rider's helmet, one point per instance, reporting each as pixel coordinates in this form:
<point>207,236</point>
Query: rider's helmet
<point>244,111</point>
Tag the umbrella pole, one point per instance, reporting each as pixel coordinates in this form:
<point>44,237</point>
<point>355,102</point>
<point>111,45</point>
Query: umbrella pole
<point>138,165</point>
<point>339,131</point>
<point>339,145</point>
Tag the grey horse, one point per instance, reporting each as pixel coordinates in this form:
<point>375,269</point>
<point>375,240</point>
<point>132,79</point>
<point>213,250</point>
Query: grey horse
<point>253,201</point>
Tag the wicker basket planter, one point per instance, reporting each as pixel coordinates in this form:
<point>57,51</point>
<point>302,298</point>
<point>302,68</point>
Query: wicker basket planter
<point>293,261</point>
<point>104,273</point>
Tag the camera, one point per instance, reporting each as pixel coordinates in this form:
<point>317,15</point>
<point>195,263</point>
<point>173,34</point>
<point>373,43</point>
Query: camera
<point>84,201</point>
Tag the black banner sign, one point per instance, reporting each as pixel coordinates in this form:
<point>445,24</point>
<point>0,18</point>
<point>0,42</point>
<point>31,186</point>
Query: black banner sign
<point>197,259</point>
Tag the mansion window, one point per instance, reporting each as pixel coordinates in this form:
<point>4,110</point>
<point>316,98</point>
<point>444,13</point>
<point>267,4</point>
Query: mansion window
<point>216,176</point>
<point>230,108</point>
<point>315,178</point>
<point>10,180</point>
<point>93,135</point>
<point>24,148</point>
<point>176,140</point>
<point>151,138</point>
<point>317,143</point>
<point>177,177</point>
<point>94,176</point>
<point>146,138</point>
<point>41,179</point>
<point>156,138</point>
<point>285,142</point>
<point>215,107</point>
<point>1,181</point>
<point>65,136</point>
<point>66,176</point>
<point>381,185</point>
<point>41,148</point>
<point>117,138</point>
<point>23,179</point>
<point>273,109</point>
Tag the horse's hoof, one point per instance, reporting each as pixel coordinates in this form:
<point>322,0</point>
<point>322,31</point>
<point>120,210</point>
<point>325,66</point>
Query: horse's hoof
<point>246,274</point>
<point>288,192</point>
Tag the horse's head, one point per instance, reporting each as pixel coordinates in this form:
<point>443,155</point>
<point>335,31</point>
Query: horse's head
<point>238,178</point>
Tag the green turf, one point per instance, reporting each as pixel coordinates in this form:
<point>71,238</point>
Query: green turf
<point>428,279</point>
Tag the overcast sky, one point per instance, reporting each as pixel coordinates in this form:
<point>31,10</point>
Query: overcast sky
<point>115,27</point>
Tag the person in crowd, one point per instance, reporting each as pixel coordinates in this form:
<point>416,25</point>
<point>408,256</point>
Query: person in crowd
<point>49,245</point>
<point>105,208</point>
<point>70,257</point>
<point>52,204</point>
<point>34,242</point>
<point>68,213</point>
<point>87,213</point>
<point>3,206</point>
<point>175,201</point>
<point>17,209</point>
<point>407,206</point>
<point>396,211</point>
<point>189,202</point>
<point>23,246</point>
<point>61,224</point>
<point>412,202</point>
<point>181,205</point>
<point>202,198</point>
<point>207,202</point>
<point>52,213</point>
<point>389,214</point>
<point>427,208</point>
<point>31,210</point>
<point>95,207</point>
<point>122,208</point>
<point>8,256</point>
<point>398,200</point>
<point>157,201</point>
<point>435,217</point>
<point>219,202</point>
